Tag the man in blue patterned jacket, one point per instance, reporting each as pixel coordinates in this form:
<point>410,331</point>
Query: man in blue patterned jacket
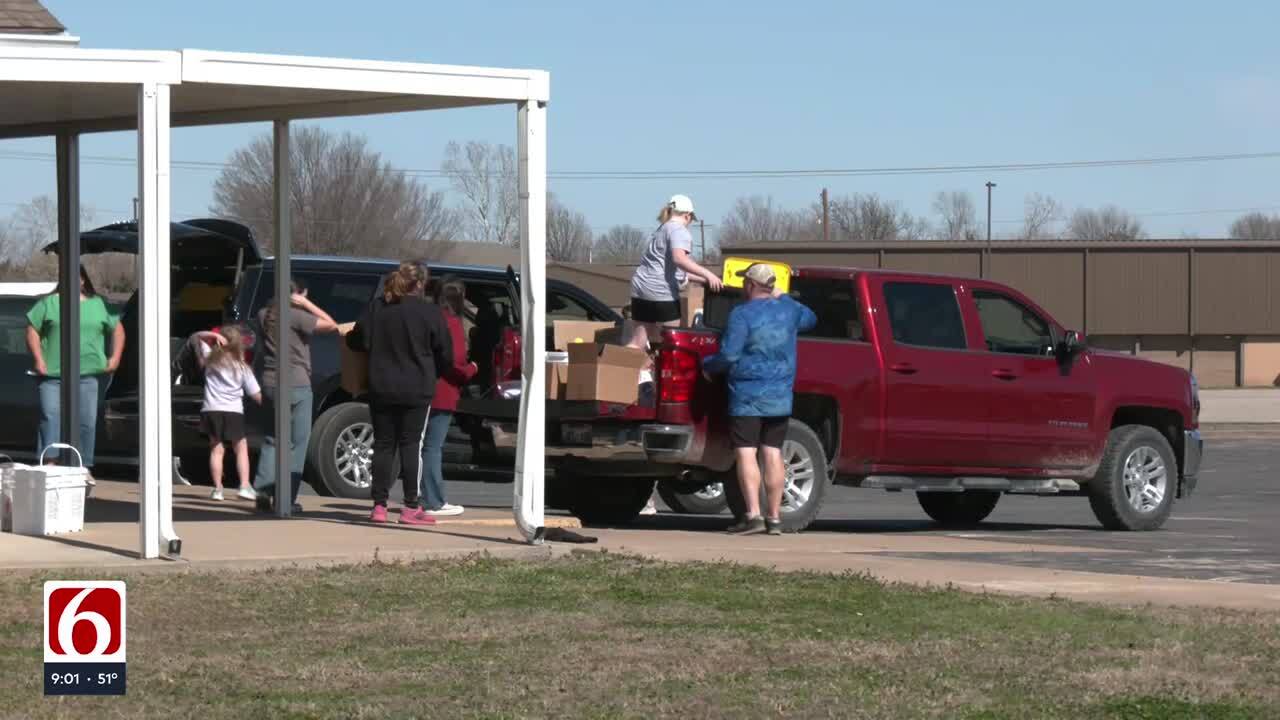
<point>758,349</point>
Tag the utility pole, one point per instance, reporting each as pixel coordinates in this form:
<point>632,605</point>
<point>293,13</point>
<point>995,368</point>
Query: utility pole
<point>990,185</point>
<point>826,216</point>
<point>702,231</point>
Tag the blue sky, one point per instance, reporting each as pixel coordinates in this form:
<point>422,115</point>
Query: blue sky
<point>743,85</point>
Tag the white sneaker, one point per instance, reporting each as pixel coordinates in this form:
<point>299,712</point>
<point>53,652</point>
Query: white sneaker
<point>649,508</point>
<point>446,510</point>
<point>247,493</point>
<point>215,495</point>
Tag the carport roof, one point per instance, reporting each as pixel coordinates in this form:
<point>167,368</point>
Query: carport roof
<point>44,90</point>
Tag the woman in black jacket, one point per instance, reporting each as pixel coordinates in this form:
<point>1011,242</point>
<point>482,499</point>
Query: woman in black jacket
<point>406,339</point>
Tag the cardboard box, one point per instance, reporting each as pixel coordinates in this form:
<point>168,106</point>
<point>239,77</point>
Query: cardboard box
<point>557,375</point>
<point>566,332</point>
<point>355,365</point>
<point>691,302</point>
<point>604,373</point>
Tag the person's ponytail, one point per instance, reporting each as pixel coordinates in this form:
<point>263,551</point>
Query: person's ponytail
<point>408,279</point>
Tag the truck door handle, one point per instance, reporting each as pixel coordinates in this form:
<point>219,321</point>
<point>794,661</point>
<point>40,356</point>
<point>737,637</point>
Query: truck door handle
<point>1004,375</point>
<point>903,368</point>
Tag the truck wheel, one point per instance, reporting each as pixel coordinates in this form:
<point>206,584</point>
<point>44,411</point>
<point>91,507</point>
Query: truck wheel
<point>709,500</point>
<point>340,453</point>
<point>608,501</point>
<point>958,509</point>
<point>806,483</point>
<point>1135,484</point>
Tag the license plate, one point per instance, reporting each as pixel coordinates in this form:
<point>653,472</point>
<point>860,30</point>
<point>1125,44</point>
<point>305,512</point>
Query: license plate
<point>575,434</point>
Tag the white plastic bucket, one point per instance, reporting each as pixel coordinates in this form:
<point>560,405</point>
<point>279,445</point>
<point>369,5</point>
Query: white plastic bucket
<point>49,499</point>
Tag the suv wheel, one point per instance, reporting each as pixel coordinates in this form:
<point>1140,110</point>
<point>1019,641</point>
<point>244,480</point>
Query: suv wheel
<point>961,509</point>
<point>340,453</point>
<point>1136,480</point>
<point>708,500</point>
<point>806,483</point>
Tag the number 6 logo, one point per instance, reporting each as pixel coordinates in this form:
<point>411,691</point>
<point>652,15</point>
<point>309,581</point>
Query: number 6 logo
<point>84,621</point>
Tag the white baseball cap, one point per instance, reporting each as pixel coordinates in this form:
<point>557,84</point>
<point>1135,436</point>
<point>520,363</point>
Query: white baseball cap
<point>760,273</point>
<point>681,204</point>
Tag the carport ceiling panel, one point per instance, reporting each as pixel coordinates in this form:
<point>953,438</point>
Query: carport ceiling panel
<point>31,104</point>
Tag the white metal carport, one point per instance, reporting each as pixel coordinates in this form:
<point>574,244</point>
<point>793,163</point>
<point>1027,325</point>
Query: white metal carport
<point>67,92</point>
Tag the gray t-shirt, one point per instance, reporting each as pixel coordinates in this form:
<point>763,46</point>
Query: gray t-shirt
<point>302,325</point>
<point>657,278</point>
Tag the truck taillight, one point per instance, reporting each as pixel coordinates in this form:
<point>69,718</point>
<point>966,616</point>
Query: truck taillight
<point>506,357</point>
<point>679,375</point>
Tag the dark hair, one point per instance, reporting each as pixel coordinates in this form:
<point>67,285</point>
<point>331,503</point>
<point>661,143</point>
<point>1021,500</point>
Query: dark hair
<point>408,279</point>
<point>296,285</point>
<point>87,285</point>
<point>451,295</point>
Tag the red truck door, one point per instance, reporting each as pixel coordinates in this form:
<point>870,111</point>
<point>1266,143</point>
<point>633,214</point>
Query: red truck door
<point>1040,409</point>
<point>935,409</point>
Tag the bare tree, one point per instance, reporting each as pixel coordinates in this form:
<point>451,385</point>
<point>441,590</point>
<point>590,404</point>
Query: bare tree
<point>1256,226</point>
<point>957,218</point>
<point>345,200</point>
<point>1039,213</point>
<point>623,244</point>
<point>1107,223</point>
<point>568,234</point>
<point>868,218</point>
<point>756,219</point>
<point>485,175</point>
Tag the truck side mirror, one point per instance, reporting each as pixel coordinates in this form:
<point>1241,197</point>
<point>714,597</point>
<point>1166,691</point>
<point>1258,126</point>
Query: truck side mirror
<point>1071,345</point>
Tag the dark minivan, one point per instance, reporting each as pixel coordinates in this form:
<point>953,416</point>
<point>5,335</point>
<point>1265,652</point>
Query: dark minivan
<point>219,278</point>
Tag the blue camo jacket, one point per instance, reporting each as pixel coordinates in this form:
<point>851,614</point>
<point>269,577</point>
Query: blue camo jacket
<point>758,350</point>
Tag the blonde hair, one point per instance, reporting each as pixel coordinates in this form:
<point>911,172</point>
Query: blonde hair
<point>408,279</point>
<point>665,214</point>
<point>229,354</point>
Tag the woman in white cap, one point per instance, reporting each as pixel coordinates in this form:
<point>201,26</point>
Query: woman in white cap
<point>667,264</point>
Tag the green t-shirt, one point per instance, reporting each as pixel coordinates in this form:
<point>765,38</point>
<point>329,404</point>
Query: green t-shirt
<point>96,324</point>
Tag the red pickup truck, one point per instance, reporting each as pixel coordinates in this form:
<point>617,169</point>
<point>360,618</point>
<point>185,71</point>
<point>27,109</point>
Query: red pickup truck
<point>958,389</point>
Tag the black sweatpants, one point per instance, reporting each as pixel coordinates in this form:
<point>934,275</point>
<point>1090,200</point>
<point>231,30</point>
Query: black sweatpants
<point>398,429</point>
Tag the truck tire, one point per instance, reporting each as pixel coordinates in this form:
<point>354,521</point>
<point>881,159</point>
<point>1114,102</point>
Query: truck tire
<point>607,501</point>
<point>806,484</point>
<point>710,500</point>
<point>1136,480</point>
<point>963,509</point>
<point>340,454</point>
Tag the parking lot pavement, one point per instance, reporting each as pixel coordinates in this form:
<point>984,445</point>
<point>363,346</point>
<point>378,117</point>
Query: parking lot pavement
<point>1227,531</point>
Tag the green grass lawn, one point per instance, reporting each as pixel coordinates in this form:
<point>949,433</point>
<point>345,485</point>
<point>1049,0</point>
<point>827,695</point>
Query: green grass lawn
<point>595,636</point>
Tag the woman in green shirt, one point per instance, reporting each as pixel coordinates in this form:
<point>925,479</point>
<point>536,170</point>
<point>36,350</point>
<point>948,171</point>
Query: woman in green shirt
<point>44,340</point>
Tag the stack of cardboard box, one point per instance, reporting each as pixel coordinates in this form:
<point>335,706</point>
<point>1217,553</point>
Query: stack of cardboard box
<point>596,363</point>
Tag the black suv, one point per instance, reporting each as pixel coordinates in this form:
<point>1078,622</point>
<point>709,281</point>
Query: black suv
<point>219,278</point>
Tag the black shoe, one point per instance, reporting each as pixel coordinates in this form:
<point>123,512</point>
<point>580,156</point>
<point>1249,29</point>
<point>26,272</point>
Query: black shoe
<point>749,526</point>
<point>263,503</point>
<point>773,527</point>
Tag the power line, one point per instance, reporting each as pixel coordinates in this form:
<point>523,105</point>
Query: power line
<point>123,161</point>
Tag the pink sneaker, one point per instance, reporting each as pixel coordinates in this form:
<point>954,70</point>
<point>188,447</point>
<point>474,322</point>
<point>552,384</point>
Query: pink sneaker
<point>379,514</point>
<point>415,516</point>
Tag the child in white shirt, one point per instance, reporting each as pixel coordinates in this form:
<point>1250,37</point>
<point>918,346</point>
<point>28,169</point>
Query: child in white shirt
<point>227,381</point>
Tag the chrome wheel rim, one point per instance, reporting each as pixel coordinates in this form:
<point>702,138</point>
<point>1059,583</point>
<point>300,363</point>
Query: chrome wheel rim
<point>353,455</point>
<point>800,476</point>
<point>1146,479</point>
<point>711,492</point>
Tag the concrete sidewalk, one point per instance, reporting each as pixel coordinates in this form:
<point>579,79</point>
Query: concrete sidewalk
<point>1245,406</point>
<point>227,535</point>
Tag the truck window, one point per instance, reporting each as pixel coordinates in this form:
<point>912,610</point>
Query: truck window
<point>562,306</point>
<point>925,315</point>
<point>835,302</point>
<point>1009,327</point>
<point>343,296</point>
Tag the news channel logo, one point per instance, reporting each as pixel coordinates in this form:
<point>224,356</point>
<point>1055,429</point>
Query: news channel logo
<point>84,637</point>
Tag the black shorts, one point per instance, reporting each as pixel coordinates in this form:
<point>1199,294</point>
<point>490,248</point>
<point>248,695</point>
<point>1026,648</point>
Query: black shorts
<point>654,311</point>
<point>223,427</point>
<point>754,432</point>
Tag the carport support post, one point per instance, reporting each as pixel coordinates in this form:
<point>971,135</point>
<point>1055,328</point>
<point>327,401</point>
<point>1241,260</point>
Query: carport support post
<point>155,414</point>
<point>283,390</point>
<point>68,150</point>
<point>531,142</point>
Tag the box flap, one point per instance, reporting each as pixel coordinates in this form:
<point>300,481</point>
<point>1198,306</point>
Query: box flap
<point>620,356</point>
